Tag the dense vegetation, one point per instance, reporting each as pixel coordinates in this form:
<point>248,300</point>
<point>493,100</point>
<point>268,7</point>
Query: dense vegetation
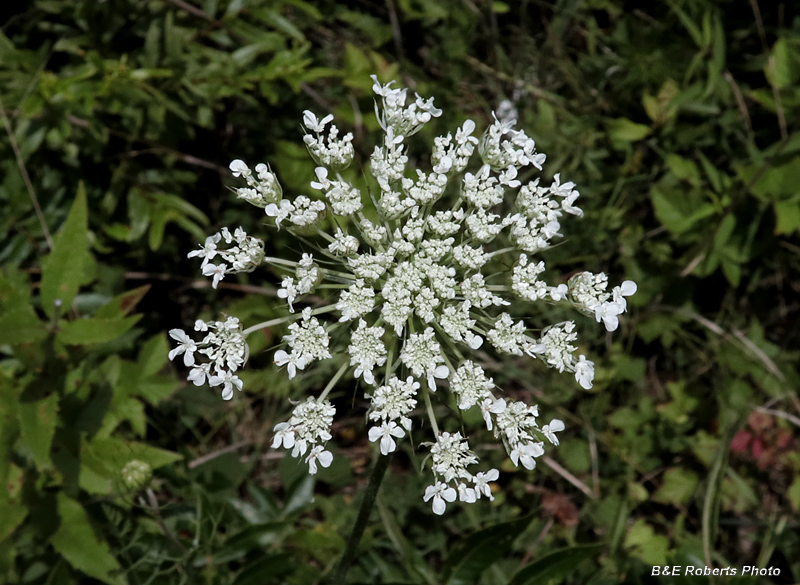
<point>678,123</point>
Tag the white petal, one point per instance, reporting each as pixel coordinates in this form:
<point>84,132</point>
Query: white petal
<point>374,434</point>
<point>387,445</point>
<point>178,335</point>
<point>325,458</point>
<point>438,505</point>
<point>628,288</point>
<point>556,425</point>
<point>430,491</point>
<point>441,372</point>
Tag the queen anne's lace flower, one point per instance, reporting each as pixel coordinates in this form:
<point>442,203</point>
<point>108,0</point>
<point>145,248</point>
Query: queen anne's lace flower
<point>225,347</point>
<point>245,255</point>
<point>417,265</point>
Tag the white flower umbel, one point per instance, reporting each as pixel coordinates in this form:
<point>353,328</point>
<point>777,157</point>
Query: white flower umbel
<point>223,345</point>
<point>245,254</point>
<point>450,457</point>
<point>308,430</point>
<point>419,266</point>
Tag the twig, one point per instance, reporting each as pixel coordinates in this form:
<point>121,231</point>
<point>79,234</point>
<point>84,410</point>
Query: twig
<point>153,505</point>
<point>692,265</point>
<point>779,413</point>
<point>537,542</point>
<point>568,476</point>
<point>193,10</point>
<point>358,119</point>
<point>214,454</point>
<point>25,177</point>
<point>776,95</point>
<point>740,103</point>
<point>595,467</point>
<point>187,158</point>
<point>309,91</point>
<point>765,359</point>
<point>398,39</point>
<point>759,24</point>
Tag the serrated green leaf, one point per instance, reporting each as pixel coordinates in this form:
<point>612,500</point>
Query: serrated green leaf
<point>77,542</point>
<point>90,331</point>
<point>62,269</point>
<point>470,557</point>
<point>556,566</point>
<point>38,421</point>
<point>21,326</point>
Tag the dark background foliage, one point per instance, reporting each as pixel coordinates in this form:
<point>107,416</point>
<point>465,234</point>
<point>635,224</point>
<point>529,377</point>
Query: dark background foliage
<point>678,122</point>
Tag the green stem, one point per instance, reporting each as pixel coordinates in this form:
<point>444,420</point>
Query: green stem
<point>292,317</point>
<point>370,493</point>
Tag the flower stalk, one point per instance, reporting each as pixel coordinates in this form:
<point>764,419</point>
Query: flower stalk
<point>364,511</point>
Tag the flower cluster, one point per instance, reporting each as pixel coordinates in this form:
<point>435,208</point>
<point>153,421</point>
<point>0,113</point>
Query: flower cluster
<point>307,431</point>
<point>422,267</point>
<point>245,255</point>
<point>225,347</point>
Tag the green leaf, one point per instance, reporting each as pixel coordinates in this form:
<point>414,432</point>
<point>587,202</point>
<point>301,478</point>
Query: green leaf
<point>38,421</point>
<point>153,355</point>
<point>787,216</point>
<point>470,557</point>
<point>782,68</point>
<point>644,544</point>
<point>122,304</point>
<point>793,494</point>
<point>677,211</point>
<point>62,269</point>
<point>89,331</point>
<point>556,566</point>
<point>272,565</point>
<point>21,326</point>
<point>76,541</point>
<point>684,169</point>
<point>624,130</point>
<point>11,516</point>
<point>679,485</point>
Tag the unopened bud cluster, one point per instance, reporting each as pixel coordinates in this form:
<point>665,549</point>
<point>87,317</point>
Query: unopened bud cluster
<point>420,267</point>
